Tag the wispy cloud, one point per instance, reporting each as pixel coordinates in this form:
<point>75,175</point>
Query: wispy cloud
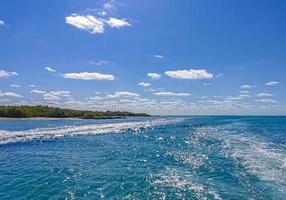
<point>117,23</point>
<point>218,75</point>
<point>98,63</point>
<point>264,95</point>
<point>272,83</point>
<point>38,91</point>
<point>266,100</point>
<point>50,69</point>
<point>143,84</point>
<point>14,85</point>
<point>88,76</point>
<point>189,74</point>
<point>6,74</point>
<point>247,86</point>
<point>2,23</point>
<point>182,94</point>
<point>244,92</point>
<point>10,94</point>
<point>154,76</point>
<point>158,56</point>
<point>123,94</point>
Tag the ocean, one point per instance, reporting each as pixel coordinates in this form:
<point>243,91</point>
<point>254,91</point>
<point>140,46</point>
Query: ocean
<point>189,157</point>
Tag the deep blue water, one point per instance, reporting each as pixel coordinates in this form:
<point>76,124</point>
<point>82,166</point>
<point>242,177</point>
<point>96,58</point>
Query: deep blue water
<point>144,158</point>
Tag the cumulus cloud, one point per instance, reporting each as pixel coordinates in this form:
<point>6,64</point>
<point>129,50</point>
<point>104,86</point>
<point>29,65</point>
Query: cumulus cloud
<point>158,56</point>
<point>171,94</point>
<point>94,24</point>
<point>247,86</point>
<point>189,74</point>
<point>272,83</point>
<point>143,84</point>
<point>10,94</point>
<point>2,23</point>
<point>117,23</point>
<point>88,76</point>
<point>88,23</point>
<point>154,76</point>
<point>6,74</point>
<point>121,94</point>
<point>14,85</point>
<point>50,69</point>
<point>264,95</point>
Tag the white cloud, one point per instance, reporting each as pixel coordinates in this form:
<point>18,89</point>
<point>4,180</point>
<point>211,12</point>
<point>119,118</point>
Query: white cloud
<point>154,76</point>
<point>15,85</point>
<point>266,100</point>
<point>10,94</point>
<point>243,96</point>
<point>272,83</point>
<point>171,94</point>
<point>2,23</point>
<point>88,76</point>
<point>99,63</point>
<point>143,84</point>
<point>120,94</point>
<point>158,56</point>
<point>94,24</point>
<point>244,92</point>
<point>32,86</point>
<point>108,5</point>
<point>117,23</point>
<point>50,69</point>
<point>264,95</point>
<point>38,91</point>
<point>55,95</point>
<point>219,75</point>
<point>246,86</point>
<point>6,74</point>
<point>189,74</point>
<point>88,23</point>
<point>239,97</point>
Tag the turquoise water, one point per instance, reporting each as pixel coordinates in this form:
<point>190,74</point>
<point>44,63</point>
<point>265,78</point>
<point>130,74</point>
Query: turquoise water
<point>144,158</point>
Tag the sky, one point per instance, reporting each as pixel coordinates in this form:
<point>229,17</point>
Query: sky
<point>166,57</point>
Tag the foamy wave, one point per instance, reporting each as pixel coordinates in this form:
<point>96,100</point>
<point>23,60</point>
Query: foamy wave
<point>195,160</point>
<point>261,158</point>
<point>46,133</point>
<point>184,182</point>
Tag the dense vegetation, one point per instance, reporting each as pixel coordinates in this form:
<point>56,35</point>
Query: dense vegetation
<point>52,112</point>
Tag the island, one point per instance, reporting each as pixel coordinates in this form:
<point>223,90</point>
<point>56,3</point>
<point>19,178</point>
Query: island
<point>40,111</point>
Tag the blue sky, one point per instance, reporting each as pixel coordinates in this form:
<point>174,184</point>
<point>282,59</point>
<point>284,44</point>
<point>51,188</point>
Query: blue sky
<point>159,57</point>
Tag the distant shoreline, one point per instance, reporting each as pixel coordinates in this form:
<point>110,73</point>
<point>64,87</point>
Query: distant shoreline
<point>45,112</point>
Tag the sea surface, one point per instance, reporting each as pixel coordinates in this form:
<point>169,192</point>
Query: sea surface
<point>144,158</point>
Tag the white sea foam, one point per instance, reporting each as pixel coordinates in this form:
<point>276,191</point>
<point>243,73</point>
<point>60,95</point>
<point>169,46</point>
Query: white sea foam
<point>184,181</point>
<point>93,129</point>
<point>195,160</point>
<point>260,157</point>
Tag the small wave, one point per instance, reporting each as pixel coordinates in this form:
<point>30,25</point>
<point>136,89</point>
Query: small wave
<point>185,185</point>
<point>194,160</point>
<point>46,133</point>
<point>258,156</point>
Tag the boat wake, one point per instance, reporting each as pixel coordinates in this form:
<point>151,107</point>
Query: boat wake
<point>7,137</point>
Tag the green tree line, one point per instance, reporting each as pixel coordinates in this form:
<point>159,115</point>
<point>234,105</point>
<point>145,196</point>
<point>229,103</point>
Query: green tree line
<point>54,112</point>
